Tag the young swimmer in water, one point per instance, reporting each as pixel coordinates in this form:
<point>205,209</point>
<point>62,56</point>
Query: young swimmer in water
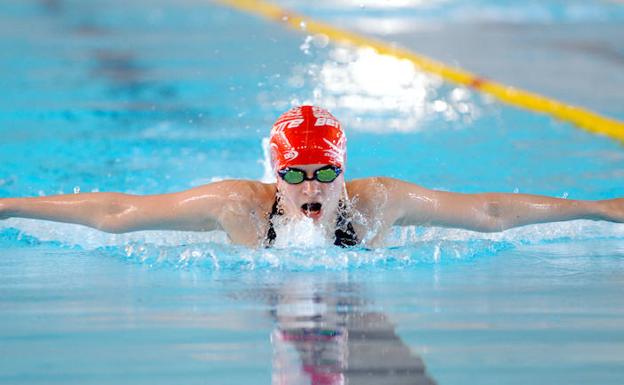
<point>308,150</point>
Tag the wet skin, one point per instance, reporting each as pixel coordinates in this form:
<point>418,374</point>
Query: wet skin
<point>241,208</point>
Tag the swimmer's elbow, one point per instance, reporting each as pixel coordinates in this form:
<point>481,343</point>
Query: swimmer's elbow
<point>111,224</point>
<point>490,219</point>
<point>121,213</point>
<point>494,221</point>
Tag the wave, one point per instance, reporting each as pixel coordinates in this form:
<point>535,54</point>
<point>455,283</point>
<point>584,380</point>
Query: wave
<point>404,247</point>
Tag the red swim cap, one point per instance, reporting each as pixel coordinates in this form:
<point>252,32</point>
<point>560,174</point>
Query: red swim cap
<point>307,135</point>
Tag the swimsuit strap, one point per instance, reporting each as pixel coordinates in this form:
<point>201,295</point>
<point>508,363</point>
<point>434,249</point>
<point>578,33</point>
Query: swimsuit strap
<point>345,233</point>
<point>271,235</point>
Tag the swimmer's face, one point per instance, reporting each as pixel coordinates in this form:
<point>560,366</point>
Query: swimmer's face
<point>311,198</point>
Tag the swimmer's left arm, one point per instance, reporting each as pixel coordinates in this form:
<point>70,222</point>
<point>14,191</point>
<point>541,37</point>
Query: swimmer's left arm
<point>491,212</point>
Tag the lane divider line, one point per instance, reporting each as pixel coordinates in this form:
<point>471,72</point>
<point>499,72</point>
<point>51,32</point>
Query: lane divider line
<point>578,116</point>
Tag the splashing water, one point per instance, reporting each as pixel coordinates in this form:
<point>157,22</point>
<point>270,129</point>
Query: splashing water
<point>302,233</point>
<point>302,245</point>
<point>375,92</point>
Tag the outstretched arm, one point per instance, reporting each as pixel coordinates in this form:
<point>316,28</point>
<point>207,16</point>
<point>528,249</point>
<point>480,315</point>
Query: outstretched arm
<point>198,209</point>
<point>490,212</point>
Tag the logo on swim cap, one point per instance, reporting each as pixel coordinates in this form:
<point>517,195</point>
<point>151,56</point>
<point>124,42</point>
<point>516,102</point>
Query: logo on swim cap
<point>291,154</point>
<point>307,135</point>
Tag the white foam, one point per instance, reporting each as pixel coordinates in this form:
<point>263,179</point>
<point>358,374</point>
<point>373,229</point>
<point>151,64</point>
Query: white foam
<point>302,245</point>
<point>303,233</point>
<point>87,238</point>
<point>530,234</point>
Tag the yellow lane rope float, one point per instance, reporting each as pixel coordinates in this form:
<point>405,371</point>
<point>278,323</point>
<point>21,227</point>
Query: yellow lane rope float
<point>579,116</point>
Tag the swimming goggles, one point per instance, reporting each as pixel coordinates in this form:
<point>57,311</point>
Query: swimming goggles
<point>326,174</point>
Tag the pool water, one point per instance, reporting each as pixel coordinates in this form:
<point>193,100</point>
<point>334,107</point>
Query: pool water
<point>159,96</point>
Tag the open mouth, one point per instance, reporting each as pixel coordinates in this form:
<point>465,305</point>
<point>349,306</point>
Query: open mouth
<point>311,210</point>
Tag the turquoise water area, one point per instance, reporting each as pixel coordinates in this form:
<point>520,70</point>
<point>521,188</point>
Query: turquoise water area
<point>159,96</point>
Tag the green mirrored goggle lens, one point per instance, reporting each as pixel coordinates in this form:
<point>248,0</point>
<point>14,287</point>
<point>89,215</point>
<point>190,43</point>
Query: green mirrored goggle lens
<point>326,175</point>
<point>294,176</point>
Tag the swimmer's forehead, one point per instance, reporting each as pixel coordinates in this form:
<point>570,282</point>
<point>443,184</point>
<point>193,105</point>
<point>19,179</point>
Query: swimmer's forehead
<point>309,167</point>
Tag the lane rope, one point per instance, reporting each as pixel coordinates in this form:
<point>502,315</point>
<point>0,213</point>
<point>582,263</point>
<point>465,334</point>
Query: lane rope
<point>578,116</point>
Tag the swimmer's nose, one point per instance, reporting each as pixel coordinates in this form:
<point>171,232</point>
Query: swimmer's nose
<point>311,188</point>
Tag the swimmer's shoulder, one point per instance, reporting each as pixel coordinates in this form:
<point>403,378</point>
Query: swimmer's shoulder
<point>377,200</point>
<point>379,191</point>
<point>373,186</point>
<point>242,207</point>
<point>251,186</point>
<point>368,193</point>
<point>364,185</point>
<point>243,191</point>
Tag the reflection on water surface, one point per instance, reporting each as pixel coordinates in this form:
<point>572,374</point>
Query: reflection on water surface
<point>325,334</point>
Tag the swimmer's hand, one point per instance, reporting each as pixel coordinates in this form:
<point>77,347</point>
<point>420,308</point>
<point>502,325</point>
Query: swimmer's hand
<point>612,209</point>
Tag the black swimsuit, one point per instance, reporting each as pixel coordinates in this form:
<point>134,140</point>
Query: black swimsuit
<point>345,234</point>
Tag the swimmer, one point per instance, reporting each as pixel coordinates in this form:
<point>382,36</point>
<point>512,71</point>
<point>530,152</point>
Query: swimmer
<point>308,154</point>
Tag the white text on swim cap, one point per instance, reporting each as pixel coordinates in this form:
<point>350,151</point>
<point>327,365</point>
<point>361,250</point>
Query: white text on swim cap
<point>288,124</point>
<point>327,122</point>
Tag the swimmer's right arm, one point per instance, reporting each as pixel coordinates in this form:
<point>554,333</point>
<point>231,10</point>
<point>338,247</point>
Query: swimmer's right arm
<point>198,209</point>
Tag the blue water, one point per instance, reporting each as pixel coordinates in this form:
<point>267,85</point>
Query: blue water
<point>156,96</point>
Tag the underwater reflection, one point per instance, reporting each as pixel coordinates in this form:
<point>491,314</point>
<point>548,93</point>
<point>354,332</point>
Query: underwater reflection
<point>325,335</point>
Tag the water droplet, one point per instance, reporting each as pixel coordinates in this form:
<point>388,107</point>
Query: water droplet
<point>305,46</point>
<point>320,40</point>
<point>440,106</point>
